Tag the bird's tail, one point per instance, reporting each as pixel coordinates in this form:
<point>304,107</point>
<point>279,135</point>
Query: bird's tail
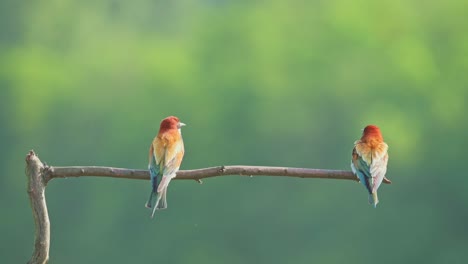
<point>153,193</point>
<point>373,199</point>
<point>150,199</point>
<point>163,201</point>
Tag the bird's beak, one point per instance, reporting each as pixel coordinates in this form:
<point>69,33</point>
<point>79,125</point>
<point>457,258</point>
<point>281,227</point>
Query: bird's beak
<point>181,124</point>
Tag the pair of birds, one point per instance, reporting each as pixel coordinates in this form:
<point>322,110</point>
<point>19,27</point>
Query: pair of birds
<point>369,160</point>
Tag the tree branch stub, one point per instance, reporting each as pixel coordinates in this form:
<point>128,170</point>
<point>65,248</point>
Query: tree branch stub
<point>36,190</point>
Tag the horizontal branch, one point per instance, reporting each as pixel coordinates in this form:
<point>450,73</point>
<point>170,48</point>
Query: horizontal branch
<point>198,174</point>
<point>39,174</point>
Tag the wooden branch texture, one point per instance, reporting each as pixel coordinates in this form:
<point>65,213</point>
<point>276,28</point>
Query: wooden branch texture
<point>38,176</point>
<point>64,172</point>
<point>36,191</point>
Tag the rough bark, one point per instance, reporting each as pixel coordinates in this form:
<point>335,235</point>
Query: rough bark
<point>36,190</point>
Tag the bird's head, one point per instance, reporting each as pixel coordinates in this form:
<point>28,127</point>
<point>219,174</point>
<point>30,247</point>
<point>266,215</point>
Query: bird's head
<point>171,122</point>
<point>371,132</point>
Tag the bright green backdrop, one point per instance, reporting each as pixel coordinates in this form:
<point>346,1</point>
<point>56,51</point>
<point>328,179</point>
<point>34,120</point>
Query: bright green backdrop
<point>280,83</point>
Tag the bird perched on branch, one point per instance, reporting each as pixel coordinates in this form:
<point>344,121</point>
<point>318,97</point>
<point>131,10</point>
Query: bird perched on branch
<point>369,161</point>
<point>165,156</point>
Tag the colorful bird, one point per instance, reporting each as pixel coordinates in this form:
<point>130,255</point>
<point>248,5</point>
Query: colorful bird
<point>165,156</point>
<point>369,161</point>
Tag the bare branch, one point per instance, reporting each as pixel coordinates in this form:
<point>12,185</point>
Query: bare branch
<point>36,191</point>
<point>198,174</point>
<point>38,176</point>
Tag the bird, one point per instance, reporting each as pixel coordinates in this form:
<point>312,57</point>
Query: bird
<point>369,161</point>
<point>165,157</point>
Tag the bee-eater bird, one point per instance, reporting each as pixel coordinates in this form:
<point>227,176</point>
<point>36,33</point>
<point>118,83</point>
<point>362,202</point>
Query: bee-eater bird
<point>165,156</point>
<point>369,161</point>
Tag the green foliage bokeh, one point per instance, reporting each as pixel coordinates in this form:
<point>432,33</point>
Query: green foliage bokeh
<point>279,83</point>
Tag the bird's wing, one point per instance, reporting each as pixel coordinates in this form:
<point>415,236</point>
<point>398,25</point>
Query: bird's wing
<point>361,169</point>
<point>378,167</point>
<point>153,166</point>
<point>156,155</point>
<point>173,156</point>
<point>159,150</point>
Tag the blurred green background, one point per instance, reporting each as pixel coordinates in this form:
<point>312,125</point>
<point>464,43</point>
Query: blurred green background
<point>279,83</point>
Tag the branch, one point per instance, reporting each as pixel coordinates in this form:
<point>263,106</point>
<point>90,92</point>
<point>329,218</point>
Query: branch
<point>38,176</point>
<point>36,189</point>
<point>64,172</point>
